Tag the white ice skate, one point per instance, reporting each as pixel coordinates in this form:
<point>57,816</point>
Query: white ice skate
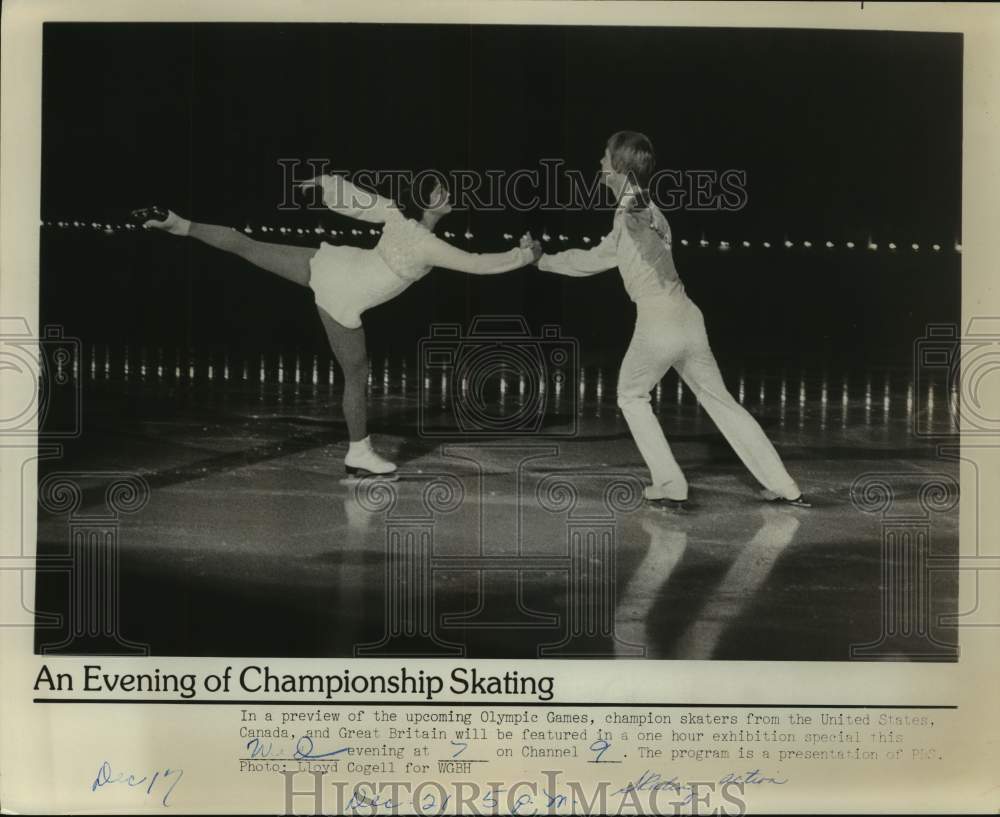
<point>658,496</point>
<point>158,218</point>
<point>362,461</point>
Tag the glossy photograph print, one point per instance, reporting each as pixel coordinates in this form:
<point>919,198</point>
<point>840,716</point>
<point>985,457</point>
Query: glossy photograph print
<point>500,342</point>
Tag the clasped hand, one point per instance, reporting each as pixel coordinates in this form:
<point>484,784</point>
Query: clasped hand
<point>527,242</point>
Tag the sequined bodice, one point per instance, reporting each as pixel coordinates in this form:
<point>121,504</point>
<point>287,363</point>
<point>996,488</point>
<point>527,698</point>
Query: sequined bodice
<point>401,247</point>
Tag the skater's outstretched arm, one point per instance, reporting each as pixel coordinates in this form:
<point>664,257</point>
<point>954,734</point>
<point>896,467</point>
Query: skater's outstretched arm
<point>352,201</point>
<point>584,262</point>
<point>438,253</point>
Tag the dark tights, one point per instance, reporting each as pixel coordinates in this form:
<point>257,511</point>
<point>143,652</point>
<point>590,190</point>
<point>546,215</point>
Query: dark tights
<point>292,264</point>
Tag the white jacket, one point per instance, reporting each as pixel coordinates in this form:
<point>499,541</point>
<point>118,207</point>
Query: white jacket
<point>639,244</point>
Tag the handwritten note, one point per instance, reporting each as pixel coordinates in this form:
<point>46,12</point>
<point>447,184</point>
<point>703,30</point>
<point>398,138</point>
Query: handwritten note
<point>159,783</point>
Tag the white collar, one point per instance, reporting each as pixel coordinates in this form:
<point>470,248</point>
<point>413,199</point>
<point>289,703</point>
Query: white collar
<point>628,194</point>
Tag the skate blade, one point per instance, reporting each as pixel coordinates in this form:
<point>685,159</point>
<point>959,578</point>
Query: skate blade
<point>358,474</point>
<point>781,502</point>
<point>671,505</point>
<point>777,499</point>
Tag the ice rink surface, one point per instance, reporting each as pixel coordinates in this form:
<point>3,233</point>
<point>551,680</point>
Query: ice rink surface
<point>503,545</point>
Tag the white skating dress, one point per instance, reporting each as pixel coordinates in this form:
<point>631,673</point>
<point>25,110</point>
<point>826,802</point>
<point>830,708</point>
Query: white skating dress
<point>349,280</point>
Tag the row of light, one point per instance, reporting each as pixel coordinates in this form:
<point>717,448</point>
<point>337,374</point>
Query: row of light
<point>309,371</point>
<point>722,246</point>
<point>870,245</point>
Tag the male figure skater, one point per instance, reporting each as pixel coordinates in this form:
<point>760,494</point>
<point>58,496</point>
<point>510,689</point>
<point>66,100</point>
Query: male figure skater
<point>669,331</point>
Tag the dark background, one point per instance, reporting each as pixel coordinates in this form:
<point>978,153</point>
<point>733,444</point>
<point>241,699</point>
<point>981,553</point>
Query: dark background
<point>843,135</point>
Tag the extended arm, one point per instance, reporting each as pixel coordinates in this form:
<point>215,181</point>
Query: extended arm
<point>438,253</point>
<point>352,201</point>
<point>584,262</point>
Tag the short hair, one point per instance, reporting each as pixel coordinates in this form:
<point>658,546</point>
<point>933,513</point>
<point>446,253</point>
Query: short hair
<point>632,154</point>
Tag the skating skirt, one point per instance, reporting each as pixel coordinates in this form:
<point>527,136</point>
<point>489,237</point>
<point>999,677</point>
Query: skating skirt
<point>349,280</point>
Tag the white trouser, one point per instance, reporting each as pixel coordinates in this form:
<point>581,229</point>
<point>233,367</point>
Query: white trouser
<point>670,331</point>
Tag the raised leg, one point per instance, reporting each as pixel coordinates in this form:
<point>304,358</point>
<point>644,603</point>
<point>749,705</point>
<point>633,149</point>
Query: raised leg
<point>284,260</point>
<point>348,345</point>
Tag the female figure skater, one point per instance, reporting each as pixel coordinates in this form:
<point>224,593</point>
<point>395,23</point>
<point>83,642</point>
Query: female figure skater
<point>349,280</point>
<point>669,332</point>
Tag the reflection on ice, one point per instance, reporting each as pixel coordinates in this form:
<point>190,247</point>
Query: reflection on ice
<point>854,399</point>
<point>741,584</point>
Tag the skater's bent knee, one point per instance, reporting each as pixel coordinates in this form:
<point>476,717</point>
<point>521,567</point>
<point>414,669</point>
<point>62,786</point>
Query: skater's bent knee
<point>627,400</point>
